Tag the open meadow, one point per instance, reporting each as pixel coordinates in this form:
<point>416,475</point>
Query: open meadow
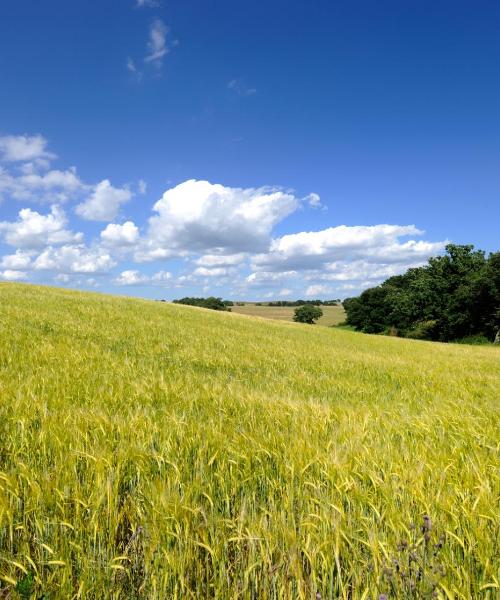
<point>152,450</point>
<point>332,315</point>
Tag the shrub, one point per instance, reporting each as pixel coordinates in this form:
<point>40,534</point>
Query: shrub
<point>422,331</point>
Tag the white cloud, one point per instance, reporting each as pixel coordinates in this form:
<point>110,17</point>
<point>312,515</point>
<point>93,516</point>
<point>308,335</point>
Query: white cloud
<point>134,277</point>
<point>218,260</point>
<point>131,277</point>
<point>74,259</point>
<point>161,277</point>
<point>197,216</point>
<point>120,235</point>
<point>328,260</point>
<point>34,230</point>
<point>157,45</point>
<point>52,186</point>
<point>285,292</point>
<point>19,260</point>
<point>214,272</point>
<point>10,275</point>
<point>314,201</point>
<point>104,202</point>
<point>34,166</point>
<point>14,148</point>
<point>147,3</point>
<point>264,279</point>
<point>314,249</point>
<point>359,270</point>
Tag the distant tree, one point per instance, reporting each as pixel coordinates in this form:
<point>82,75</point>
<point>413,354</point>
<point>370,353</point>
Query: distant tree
<point>210,302</point>
<point>308,313</point>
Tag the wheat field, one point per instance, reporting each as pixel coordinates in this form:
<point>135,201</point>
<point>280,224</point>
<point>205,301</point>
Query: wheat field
<point>332,315</point>
<point>150,450</point>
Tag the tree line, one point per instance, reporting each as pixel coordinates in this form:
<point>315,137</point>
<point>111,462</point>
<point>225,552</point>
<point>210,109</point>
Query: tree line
<point>211,302</point>
<point>304,303</point>
<point>454,296</point>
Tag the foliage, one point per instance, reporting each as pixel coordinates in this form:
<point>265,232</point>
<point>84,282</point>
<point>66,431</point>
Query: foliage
<point>210,302</point>
<point>307,314</point>
<point>152,451</point>
<point>453,297</point>
<point>304,302</point>
<point>25,586</point>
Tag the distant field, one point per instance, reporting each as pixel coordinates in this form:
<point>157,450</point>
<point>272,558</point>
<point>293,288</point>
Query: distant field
<point>332,315</point>
<point>153,451</point>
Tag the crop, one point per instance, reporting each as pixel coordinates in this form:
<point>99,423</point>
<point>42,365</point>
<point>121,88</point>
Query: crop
<point>150,450</point>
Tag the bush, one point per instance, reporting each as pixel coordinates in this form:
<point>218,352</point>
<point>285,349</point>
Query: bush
<point>422,331</point>
<point>475,340</point>
<point>307,314</point>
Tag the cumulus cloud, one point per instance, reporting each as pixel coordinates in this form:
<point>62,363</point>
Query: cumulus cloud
<point>218,260</point>
<point>120,235</point>
<point>134,277</point>
<point>269,279</point>
<point>331,259</point>
<point>52,186</point>
<point>314,249</point>
<point>314,201</point>
<point>131,277</point>
<point>223,233</point>
<point>104,203</point>
<point>19,260</point>
<point>14,148</point>
<point>214,272</point>
<point>161,277</point>
<point>201,217</point>
<point>74,259</point>
<point>33,230</point>
<point>362,270</point>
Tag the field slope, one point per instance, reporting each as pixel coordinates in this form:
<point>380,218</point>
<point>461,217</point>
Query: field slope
<point>151,450</point>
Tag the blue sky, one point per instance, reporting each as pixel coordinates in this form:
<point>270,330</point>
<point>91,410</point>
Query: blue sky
<point>250,150</point>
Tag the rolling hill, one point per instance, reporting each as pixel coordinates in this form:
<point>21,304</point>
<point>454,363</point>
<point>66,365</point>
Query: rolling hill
<point>151,450</point>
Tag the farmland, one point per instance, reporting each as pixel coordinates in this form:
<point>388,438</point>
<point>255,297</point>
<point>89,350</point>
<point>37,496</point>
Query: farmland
<point>332,315</point>
<point>152,450</point>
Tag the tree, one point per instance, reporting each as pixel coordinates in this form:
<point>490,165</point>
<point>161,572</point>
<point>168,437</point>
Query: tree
<point>307,314</point>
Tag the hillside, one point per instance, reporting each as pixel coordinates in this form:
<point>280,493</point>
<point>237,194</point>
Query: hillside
<point>151,450</point>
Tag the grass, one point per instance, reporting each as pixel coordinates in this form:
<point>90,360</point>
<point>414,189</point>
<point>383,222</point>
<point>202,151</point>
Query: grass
<point>151,450</point>
<point>332,315</point>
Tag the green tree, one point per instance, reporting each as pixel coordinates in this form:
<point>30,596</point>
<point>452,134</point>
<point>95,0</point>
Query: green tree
<point>307,314</point>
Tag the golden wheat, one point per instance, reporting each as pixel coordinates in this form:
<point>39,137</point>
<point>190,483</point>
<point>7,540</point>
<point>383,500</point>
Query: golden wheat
<point>159,451</point>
